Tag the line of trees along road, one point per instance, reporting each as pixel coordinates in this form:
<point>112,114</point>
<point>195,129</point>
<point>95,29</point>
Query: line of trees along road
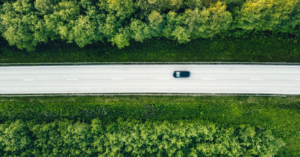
<point>133,138</point>
<point>25,23</point>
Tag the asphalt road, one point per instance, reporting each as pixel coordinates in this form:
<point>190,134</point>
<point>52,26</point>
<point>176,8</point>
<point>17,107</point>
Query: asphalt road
<point>256,79</point>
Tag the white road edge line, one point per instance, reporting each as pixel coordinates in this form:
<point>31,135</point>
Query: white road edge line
<point>117,78</point>
<point>71,79</point>
<point>28,79</point>
<point>256,79</point>
<point>163,78</point>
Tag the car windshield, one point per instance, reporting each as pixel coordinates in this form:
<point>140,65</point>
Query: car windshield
<point>177,73</point>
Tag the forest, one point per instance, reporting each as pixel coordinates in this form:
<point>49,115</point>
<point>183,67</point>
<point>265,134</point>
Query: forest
<point>26,23</point>
<point>133,138</point>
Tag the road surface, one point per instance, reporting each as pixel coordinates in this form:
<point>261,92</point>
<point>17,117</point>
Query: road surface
<point>254,79</point>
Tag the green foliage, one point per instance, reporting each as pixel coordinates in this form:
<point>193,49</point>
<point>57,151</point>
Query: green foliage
<point>120,8</point>
<point>76,137</point>
<point>276,47</point>
<point>264,15</point>
<point>290,25</point>
<point>156,23</point>
<point>148,6</point>
<point>212,21</point>
<point>170,24</point>
<point>84,31</point>
<point>89,8</point>
<point>279,114</point>
<point>193,4</point>
<point>181,34</point>
<point>48,139</point>
<point>95,20</point>
<point>121,39</point>
<point>192,20</point>
<point>63,20</point>
<point>44,7</point>
<point>139,30</point>
<point>41,33</point>
<point>175,29</point>
<point>134,138</point>
<point>25,23</point>
<point>109,26</point>
<point>15,138</point>
<point>2,26</point>
<point>22,6</point>
<point>197,24</point>
<point>19,24</point>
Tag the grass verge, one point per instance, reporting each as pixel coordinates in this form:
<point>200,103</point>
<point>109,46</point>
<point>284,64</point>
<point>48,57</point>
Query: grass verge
<point>258,47</point>
<point>279,114</point>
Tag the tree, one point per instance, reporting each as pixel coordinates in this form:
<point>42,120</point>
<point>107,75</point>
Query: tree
<point>19,22</point>
<point>170,24</point>
<point>15,138</point>
<point>44,7</point>
<point>98,134</point>
<point>212,21</point>
<point>121,8</point>
<point>22,6</point>
<point>89,8</point>
<point>147,6</point>
<point>47,139</point>
<point>181,34</point>
<point>108,26</point>
<point>290,25</point>
<point>77,137</point>
<point>84,31</point>
<point>175,28</point>
<point>121,39</point>
<point>115,28</point>
<point>192,20</point>
<point>156,23</point>
<point>41,34</point>
<point>139,30</point>
<point>2,26</point>
<point>193,4</point>
<point>63,19</point>
<point>194,24</point>
<point>264,15</point>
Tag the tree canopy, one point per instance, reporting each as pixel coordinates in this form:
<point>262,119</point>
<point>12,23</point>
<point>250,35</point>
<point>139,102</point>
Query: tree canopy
<point>25,23</point>
<point>133,138</point>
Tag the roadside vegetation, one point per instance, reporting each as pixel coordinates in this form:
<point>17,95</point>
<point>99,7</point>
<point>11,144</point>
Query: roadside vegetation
<point>134,138</point>
<point>280,115</point>
<point>26,24</point>
<point>253,47</point>
<point>45,31</point>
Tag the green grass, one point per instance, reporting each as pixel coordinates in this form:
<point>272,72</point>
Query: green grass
<point>253,48</point>
<point>279,114</point>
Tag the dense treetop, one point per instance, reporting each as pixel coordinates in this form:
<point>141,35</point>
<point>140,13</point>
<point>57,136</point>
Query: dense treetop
<point>25,23</point>
<point>133,138</point>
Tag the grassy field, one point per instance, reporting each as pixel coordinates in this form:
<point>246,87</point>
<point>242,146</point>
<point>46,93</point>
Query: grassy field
<point>279,114</point>
<point>261,47</point>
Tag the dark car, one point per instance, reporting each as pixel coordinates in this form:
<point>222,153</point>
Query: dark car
<point>179,74</point>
